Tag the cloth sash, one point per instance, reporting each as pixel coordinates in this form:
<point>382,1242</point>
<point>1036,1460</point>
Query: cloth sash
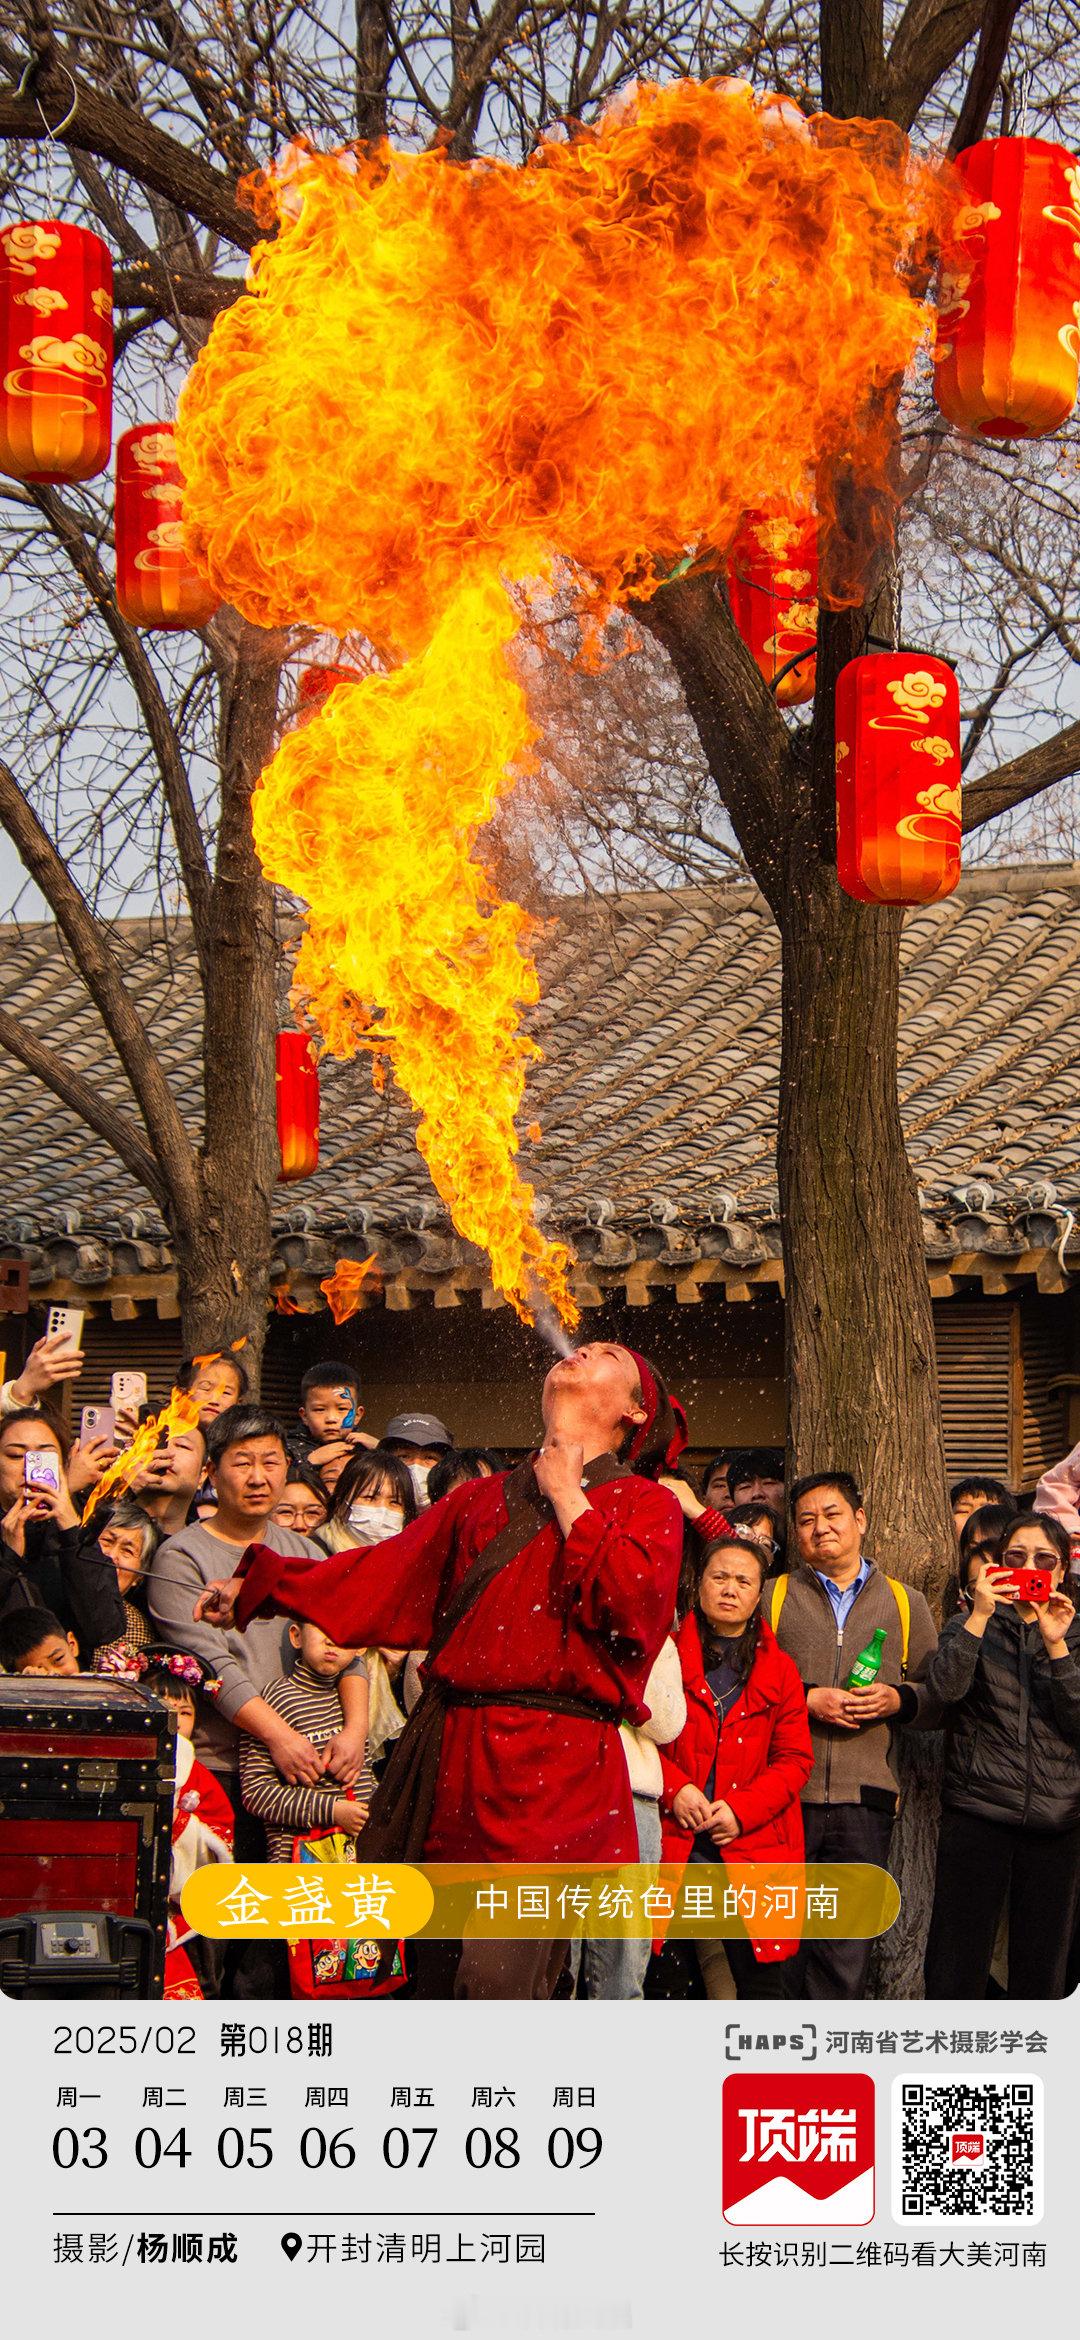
<point>397,1825</point>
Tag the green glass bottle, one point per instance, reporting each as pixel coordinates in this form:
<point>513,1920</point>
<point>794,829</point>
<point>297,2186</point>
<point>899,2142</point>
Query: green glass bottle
<point>867,1665</point>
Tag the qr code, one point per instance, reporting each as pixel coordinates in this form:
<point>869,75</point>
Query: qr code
<point>965,2147</point>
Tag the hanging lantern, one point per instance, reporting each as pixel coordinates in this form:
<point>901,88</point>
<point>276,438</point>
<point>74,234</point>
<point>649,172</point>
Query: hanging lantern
<point>297,1089</point>
<point>772,585</point>
<point>1008,336</point>
<point>157,584</point>
<point>897,778</point>
<point>317,682</point>
<point>56,352</point>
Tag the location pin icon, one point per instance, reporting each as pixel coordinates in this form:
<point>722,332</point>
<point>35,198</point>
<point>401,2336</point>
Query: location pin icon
<point>291,2243</point>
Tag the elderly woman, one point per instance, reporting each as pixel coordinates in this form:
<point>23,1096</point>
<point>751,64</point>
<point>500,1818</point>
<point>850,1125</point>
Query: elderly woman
<point>733,1777</point>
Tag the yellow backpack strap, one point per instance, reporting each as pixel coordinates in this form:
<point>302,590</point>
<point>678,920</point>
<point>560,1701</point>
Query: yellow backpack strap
<point>779,1597</point>
<point>903,1603</point>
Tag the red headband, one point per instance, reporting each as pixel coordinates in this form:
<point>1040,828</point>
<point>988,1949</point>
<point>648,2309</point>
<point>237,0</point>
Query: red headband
<point>650,1397</point>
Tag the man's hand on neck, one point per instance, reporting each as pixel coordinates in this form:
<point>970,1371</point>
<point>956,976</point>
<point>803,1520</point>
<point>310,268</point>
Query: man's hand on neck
<point>558,1469</point>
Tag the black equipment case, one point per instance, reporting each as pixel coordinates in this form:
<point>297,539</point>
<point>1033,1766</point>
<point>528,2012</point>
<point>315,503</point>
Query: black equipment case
<point>86,1807</point>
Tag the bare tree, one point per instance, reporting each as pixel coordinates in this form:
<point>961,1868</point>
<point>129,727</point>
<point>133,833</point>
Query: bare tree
<point>164,107</point>
<point>129,759</point>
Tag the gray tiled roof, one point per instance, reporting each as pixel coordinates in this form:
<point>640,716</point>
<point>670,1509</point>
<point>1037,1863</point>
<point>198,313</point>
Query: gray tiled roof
<point>660,1025</point>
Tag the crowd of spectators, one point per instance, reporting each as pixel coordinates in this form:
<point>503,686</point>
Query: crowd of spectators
<point>756,1739</point>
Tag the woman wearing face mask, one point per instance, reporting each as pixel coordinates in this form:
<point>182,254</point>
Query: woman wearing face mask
<point>733,1776</point>
<point>1007,1671</point>
<point>373,1500</point>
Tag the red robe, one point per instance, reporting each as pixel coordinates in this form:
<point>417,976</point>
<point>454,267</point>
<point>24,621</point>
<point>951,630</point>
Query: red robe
<point>584,1614</point>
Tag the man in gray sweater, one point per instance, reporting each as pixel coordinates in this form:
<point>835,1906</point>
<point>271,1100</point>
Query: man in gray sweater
<point>247,1463</point>
<point>824,1612</point>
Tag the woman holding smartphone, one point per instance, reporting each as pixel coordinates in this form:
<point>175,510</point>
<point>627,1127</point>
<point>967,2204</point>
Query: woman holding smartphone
<point>1008,1675</point>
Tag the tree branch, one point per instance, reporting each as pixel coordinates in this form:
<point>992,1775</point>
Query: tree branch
<point>117,135</point>
<point>930,36</point>
<point>174,780</point>
<point>994,38</point>
<point>1026,776</point>
<point>101,974</point>
<point>744,737</point>
<point>171,292</point>
<point>121,1134</point>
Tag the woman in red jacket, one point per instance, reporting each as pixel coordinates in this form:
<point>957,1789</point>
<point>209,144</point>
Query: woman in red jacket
<point>733,1777</point>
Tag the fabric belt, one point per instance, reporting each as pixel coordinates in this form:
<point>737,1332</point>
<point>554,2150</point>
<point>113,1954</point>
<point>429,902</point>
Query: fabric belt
<point>546,1701</point>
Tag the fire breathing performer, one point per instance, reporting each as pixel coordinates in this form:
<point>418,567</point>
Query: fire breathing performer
<point>542,1596</point>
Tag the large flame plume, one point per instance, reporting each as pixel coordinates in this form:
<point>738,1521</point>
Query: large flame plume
<point>446,377</point>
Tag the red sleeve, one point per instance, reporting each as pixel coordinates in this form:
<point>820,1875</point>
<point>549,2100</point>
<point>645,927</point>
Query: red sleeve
<point>383,1593</point>
<point>710,1525</point>
<point>791,1760</point>
<point>619,1569</point>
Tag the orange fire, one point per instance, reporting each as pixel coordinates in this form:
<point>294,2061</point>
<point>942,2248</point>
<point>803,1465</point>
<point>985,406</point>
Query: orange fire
<point>181,1413</point>
<point>449,376</point>
<point>342,1289</point>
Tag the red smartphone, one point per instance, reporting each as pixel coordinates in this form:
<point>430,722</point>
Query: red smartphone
<point>1032,1584</point>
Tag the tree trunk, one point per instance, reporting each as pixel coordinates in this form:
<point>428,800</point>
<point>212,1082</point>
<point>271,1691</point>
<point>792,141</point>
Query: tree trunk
<point>223,1270</point>
<point>223,1259</point>
<point>861,1372</point>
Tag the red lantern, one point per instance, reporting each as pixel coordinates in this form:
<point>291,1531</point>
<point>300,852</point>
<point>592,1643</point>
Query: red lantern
<point>897,778</point>
<point>317,682</point>
<point>297,1088</point>
<point>157,584</point>
<point>1008,338</point>
<point>773,585</point>
<point>56,352</point>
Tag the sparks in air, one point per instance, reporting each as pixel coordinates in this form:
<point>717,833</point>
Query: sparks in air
<point>446,377</point>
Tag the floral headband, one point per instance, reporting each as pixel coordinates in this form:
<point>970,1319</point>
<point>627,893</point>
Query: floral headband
<point>132,1664</point>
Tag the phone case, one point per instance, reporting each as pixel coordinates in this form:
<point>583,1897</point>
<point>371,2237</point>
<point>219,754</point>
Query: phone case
<point>128,1389</point>
<point>1035,1584</point>
<point>68,1322</point>
<point>42,1470</point>
<point>96,1422</point>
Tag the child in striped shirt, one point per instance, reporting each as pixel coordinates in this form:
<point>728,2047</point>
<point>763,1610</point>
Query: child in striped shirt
<point>309,1699</point>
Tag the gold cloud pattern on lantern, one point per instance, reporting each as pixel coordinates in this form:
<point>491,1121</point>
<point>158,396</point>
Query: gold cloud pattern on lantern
<point>28,242</point>
<point>81,355</point>
<point>915,692</point>
<point>939,804</point>
<point>941,750</point>
<point>152,453</point>
<point>42,297</point>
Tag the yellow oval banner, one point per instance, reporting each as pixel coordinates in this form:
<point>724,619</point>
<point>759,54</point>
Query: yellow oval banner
<point>317,1899</point>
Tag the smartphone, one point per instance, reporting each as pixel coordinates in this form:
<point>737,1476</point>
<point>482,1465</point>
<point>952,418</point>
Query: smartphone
<point>68,1322</point>
<point>41,1468</point>
<point>1032,1584</point>
<point>127,1389</point>
<point>97,1422</point>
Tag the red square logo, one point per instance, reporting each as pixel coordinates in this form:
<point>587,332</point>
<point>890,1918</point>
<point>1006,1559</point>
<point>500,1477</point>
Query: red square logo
<point>798,2149</point>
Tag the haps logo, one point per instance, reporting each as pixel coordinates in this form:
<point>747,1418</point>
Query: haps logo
<point>967,2145</point>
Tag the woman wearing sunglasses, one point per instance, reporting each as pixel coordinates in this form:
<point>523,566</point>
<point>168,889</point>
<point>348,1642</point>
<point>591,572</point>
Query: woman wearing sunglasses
<point>1007,1671</point>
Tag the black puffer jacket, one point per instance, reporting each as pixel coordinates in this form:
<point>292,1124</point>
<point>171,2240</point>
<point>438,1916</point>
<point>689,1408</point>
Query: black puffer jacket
<point>1012,1717</point>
